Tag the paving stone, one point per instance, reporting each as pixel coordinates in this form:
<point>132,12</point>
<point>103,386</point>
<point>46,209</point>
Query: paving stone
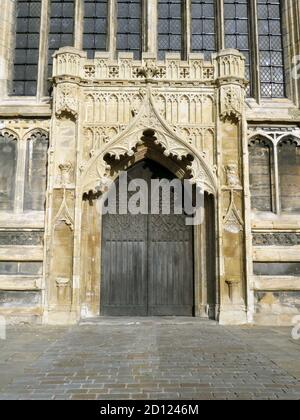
<point>151,360</point>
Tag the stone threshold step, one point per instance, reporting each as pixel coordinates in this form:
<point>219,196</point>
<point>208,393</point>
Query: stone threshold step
<point>146,321</point>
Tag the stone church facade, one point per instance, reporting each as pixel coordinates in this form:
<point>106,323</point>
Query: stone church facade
<point>208,90</point>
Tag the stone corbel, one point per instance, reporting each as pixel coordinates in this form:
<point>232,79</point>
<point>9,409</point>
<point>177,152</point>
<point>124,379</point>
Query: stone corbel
<point>65,173</point>
<point>63,285</point>
<point>234,290</point>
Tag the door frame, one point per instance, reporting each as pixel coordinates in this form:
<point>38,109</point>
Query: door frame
<point>91,251</point>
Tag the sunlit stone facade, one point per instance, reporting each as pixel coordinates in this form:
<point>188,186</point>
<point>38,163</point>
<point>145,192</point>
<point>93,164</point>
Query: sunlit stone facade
<point>207,89</point>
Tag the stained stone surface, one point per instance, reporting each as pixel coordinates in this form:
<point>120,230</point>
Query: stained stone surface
<point>149,359</point>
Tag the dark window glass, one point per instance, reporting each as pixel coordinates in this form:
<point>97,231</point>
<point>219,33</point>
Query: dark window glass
<point>8,168</point>
<point>61,32</point>
<point>289,175</point>
<point>270,49</point>
<point>26,59</point>
<point>36,173</point>
<point>169,27</point>
<point>261,179</point>
<point>236,15</point>
<point>203,27</point>
<point>277,269</point>
<point>95,26</point>
<point>129,33</point>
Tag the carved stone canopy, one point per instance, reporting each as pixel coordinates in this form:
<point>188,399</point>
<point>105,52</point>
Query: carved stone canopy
<point>166,137</point>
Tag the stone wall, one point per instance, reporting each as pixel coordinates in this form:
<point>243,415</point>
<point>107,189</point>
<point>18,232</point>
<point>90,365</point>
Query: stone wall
<point>94,105</point>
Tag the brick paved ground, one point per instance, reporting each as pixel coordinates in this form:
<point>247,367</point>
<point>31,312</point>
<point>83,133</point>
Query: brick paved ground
<point>152,359</point>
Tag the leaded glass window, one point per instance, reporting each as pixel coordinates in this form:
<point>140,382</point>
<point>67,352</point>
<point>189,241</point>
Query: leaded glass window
<point>203,27</point>
<point>129,33</point>
<point>236,15</point>
<point>95,26</point>
<point>27,47</point>
<point>270,49</point>
<point>169,27</point>
<point>61,31</point>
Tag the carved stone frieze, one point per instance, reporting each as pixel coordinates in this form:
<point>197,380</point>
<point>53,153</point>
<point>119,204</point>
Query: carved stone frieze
<point>21,238</point>
<point>24,129</point>
<point>276,239</point>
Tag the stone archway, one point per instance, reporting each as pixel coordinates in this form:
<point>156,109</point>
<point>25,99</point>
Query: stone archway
<point>205,299</point>
<point>199,128</point>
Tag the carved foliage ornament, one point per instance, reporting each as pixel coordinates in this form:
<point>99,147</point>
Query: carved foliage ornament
<point>276,239</point>
<point>231,102</point>
<point>66,100</point>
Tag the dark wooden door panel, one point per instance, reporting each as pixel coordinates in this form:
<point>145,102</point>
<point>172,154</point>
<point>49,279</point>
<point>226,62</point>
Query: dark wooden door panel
<point>170,266</point>
<point>147,261</point>
<point>124,265</point>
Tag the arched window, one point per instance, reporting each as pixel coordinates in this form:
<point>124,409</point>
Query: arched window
<point>61,30</point>
<point>28,20</point>
<point>289,175</point>
<point>169,27</point>
<point>36,172</point>
<point>95,26</point>
<point>8,169</point>
<point>270,48</point>
<point>203,27</point>
<point>129,32</point>
<point>261,175</point>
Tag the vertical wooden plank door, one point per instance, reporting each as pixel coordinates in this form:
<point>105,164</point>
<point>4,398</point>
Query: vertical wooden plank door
<point>147,260</point>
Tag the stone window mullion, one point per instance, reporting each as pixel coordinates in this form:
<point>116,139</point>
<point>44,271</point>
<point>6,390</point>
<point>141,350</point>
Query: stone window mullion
<point>78,24</point>
<point>254,51</point>
<point>276,180</point>
<point>20,177</point>
<point>186,28</point>
<point>220,32</point>
<point>112,27</point>
<point>151,40</point>
<point>43,55</point>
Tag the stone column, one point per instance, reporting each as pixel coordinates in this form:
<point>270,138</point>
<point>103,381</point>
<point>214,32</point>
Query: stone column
<point>60,221</point>
<point>230,71</point>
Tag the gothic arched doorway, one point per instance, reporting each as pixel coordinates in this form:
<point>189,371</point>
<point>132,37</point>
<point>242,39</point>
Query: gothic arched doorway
<point>147,259</point>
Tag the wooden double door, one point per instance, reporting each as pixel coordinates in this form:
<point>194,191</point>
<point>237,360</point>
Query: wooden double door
<point>147,260</point>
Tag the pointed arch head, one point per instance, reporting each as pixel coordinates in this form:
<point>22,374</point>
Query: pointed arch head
<point>166,139</point>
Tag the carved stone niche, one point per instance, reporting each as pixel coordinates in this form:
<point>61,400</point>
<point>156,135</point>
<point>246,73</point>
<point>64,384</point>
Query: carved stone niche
<point>231,102</point>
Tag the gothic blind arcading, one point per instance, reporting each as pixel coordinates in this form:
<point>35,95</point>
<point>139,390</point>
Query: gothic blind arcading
<point>129,33</point>
<point>236,16</point>
<point>27,47</point>
<point>35,173</point>
<point>169,27</point>
<point>61,31</point>
<point>8,168</point>
<point>270,48</point>
<point>95,26</point>
<point>203,27</point>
